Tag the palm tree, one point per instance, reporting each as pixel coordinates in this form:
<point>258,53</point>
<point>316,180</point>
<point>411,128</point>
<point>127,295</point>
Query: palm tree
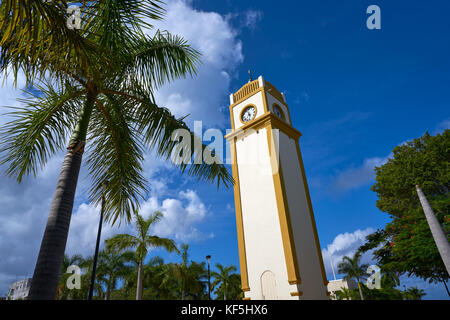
<point>352,269</point>
<point>63,292</point>
<point>223,278</point>
<point>112,267</point>
<point>116,112</point>
<point>190,276</point>
<point>343,294</point>
<point>142,242</point>
<point>414,293</point>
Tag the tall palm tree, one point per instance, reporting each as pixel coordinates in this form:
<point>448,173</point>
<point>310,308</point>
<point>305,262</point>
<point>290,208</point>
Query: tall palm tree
<point>116,113</point>
<point>352,269</point>
<point>223,278</point>
<point>142,243</point>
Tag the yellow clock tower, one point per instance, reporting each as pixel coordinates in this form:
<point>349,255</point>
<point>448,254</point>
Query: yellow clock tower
<point>279,251</point>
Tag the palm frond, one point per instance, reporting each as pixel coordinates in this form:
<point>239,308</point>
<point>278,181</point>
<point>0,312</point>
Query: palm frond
<point>39,129</point>
<point>157,242</point>
<point>162,58</point>
<point>157,126</point>
<point>122,242</point>
<point>115,156</point>
<point>34,37</point>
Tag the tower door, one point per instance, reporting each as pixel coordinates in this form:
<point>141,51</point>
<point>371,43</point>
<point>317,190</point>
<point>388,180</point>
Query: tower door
<point>268,286</point>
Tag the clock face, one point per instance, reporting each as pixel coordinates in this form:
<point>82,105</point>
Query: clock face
<point>248,114</point>
<point>278,112</point>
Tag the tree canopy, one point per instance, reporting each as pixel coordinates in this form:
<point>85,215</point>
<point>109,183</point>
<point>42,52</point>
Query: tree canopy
<point>406,245</point>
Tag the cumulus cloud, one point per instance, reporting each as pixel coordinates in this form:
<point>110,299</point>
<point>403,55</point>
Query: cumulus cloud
<point>181,216</point>
<point>344,244</point>
<point>204,96</point>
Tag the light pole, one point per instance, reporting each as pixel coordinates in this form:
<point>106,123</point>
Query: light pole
<point>97,245</point>
<point>208,257</point>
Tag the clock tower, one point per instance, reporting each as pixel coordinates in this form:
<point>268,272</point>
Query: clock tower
<point>279,251</point>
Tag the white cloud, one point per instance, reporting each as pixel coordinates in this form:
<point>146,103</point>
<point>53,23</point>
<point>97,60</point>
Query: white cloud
<point>180,216</point>
<point>252,17</point>
<point>344,244</point>
<point>204,96</point>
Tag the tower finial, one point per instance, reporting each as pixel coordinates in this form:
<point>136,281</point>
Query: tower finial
<point>250,75</point>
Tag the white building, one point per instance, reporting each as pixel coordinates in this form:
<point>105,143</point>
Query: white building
<point>19,290</point>
<point>338,285</point>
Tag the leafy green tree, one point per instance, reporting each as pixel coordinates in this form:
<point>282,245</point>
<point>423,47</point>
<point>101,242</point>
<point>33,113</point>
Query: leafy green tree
<point>352,269</point>
<point>142,242</point>
<point>110,106</point>
<point>227,283</point>
<point>406,245</point>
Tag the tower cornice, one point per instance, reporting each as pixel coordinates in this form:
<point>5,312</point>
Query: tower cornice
<point>264,121</point>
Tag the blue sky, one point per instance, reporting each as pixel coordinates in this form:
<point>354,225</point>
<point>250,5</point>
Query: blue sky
<point>354,93</point>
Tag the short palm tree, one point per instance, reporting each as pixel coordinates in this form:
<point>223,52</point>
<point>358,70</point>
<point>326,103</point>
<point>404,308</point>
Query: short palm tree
<point>190,276</point>
<point>223,278</point>
<point>352,269</point>
<point>63,292</point>
<point>111,106</point>
<point>343,294</point>
<point>142,243</point>
<point>413,293</point>
<point>112,267</point>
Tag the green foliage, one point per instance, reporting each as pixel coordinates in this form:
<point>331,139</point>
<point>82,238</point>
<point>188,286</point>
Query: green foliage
<point>406,245</point>
<point>190,277</point>
<point>227,284</point>
<point>413,293</point>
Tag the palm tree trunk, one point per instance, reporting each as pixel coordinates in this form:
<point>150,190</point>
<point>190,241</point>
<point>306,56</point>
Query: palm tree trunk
<point>139,281</point>
<point>108,288</point>
<point>360,291</point>
<point>44,284</point>
<point>436,230</point>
